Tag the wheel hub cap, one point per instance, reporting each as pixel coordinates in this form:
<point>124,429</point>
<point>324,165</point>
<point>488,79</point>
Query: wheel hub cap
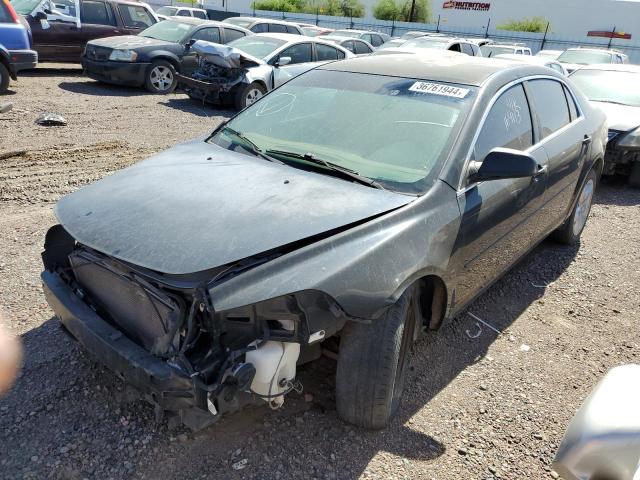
<point>583,207</point>
<point>253,96</point>
<point>161,78</point>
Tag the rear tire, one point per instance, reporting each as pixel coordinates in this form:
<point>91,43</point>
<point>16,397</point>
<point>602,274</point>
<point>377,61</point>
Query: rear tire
<point>569,233</point>
<point>161,78</point>
<point>4,78</point>
<point>634,177</point>
<point>248,95</point>
<point>372,366</point>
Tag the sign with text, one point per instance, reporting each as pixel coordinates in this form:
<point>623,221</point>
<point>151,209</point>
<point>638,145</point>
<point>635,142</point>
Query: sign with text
<point>481,6</point>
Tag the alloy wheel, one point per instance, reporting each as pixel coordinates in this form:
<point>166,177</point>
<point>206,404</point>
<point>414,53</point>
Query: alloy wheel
<point>161,78</point>
<point>253,96</point>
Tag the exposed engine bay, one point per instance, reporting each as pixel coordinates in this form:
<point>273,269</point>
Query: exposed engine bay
<point>224,360</point>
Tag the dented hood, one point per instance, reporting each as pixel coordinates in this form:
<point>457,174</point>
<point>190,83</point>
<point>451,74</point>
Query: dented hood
<point>198,206</point>
<point>225,56</point>
<point>129,42</point>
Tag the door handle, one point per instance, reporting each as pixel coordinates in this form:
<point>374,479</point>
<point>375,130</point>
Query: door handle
<point>586,140</point>
<point>542,169</point>
<point>115,31</point>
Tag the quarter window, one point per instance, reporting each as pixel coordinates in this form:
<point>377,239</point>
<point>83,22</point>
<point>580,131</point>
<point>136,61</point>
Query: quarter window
<point>299,53</point>
<point>134,16</point>
<point>508,124</point>
<point>211,34</point>
<point>551,105</point>
<point>96,13</point>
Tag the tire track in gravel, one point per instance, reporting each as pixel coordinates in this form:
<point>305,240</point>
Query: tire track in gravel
<point>44,175</point>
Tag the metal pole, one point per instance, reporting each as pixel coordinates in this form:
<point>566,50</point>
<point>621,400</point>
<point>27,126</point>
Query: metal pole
<point>438,25</point>
<point>393,26</point>
<point>317,14</point>
<point>486,32</point>
<point>613,32</point>
<point>413,7</point>
<point>544,38</point>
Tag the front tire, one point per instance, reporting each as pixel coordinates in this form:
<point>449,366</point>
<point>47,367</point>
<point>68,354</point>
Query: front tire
<point>372,366</point>
<point>161,78</point>
<point>248,95</point>
<point>569,233</point>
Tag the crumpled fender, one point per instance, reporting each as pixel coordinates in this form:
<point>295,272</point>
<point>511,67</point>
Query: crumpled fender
<point>364,269</point>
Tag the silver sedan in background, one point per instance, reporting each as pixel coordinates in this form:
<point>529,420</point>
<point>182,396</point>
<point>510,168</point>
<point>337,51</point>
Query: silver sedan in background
<point>244,70</point>
<point>354,45</point>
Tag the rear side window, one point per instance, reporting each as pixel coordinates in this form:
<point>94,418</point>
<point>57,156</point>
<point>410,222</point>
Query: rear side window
<point>232,34</point>
<point>361,48</point>
<point>573,110</point>
<point>260,28</point>
<point>292,30</point>
<point>134,16</point>
<point>508,124</point>
<point>210,34</point>
<point>96,13</point>
<point>376,40</point>
<point>551,105</point>
<point>325,52</point>
<point>199,14</point>
<point>277,28</point>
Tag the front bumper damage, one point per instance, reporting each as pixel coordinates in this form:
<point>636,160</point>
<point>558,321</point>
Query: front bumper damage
<point>619,160</point>
<point>206,364</point>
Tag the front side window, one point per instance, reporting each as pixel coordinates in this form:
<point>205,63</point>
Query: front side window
<point>23,7</point>
<point>551,105</point>
<point>299,53</point>
<point>260,28</point>
<point>135,16</point>
<point>209,34</point>
<point>199,14</point>
<point>96,13</point>
<point>508,124</point>
<point>277,28</point>
<point>335,116</point>
<point>183,13</point>
<point>376,40</point>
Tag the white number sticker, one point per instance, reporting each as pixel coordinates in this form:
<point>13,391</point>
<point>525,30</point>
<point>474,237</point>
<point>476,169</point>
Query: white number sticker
<point>439,89</point>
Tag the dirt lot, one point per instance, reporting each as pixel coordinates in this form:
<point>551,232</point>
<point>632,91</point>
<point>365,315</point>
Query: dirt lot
<point>482,407</point>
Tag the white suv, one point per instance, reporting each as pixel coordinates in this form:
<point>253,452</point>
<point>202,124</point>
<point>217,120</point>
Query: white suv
<point>493,49</point>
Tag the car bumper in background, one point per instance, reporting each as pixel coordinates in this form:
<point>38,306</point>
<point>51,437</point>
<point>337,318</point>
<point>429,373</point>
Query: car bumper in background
<point>120,73</point>
<point>23,60</point>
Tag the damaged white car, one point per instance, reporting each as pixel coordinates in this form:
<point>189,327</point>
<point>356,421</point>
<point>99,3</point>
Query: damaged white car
<point>244,70</point>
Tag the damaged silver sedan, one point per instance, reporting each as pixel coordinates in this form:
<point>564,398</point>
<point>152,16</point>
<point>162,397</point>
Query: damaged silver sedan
<point>360,203</point>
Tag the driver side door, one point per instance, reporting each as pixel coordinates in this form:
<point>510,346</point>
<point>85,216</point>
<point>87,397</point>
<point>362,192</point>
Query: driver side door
<point>57,37</point>
<point>301,55</point>
<point>500,218</point>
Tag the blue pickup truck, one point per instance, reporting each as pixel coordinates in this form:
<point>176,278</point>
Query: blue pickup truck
<point>15,45</point>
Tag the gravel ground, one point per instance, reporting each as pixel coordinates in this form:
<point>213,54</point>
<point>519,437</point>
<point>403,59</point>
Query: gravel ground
<point>485,407</point>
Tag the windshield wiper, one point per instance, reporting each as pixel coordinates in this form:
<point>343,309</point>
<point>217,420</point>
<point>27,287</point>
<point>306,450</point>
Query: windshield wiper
<point>252,147</point>
<point>343,171</point>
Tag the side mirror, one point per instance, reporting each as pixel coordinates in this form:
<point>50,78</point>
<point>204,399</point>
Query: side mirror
<point>189,43</point>
<point>282,61</point>
<point>602,441</point>
<point>502,163</point>
<point>40,15</point>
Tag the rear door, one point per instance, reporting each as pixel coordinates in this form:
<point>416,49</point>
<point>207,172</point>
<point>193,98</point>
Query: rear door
<point>98,20</point>
<point>134,18</point>
<point>500,218</point>
<point>563,137</point>
<point>58,38</point>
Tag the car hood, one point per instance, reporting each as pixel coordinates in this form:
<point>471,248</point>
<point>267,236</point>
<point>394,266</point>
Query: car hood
<point>128,42</point>
<point>198,206</point>
<point>620,117</point>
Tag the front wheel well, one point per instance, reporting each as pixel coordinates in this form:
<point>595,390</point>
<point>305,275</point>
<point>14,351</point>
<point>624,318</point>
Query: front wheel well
<point>598,166</point>
<point>430,301</point>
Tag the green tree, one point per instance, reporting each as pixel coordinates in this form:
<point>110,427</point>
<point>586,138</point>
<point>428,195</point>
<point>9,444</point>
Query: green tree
<point>352,8</point>
<point>386,10</point>
<point>421,11</point>
<point>534,24</point>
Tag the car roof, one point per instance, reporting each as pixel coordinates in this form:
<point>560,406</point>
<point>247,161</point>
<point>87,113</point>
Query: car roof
<point>525,58</point>
<point>603,50</point>
<point>341,38</point>
<point>617,67</point>
<point>179,7</point>
<point>457,68</point>
<point>287,37</point>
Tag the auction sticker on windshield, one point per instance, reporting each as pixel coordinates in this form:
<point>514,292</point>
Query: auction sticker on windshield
<point>439,89</point>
